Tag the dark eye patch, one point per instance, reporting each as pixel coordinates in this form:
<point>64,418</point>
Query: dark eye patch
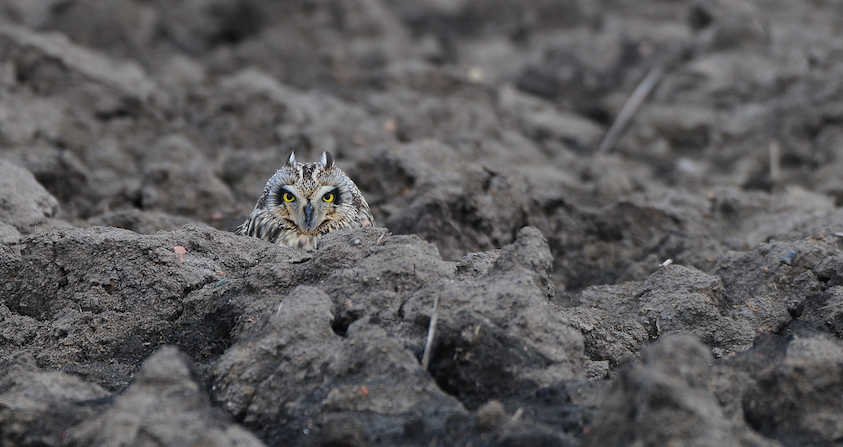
<point>337,198</point>
<point>281,191</point>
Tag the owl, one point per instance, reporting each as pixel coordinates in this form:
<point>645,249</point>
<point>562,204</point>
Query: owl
<point>303,201</point>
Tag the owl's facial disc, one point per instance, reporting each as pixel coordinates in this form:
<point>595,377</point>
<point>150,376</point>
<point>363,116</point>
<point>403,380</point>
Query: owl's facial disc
<point>309,211</point>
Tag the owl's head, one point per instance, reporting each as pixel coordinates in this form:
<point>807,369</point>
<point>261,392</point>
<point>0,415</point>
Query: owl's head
<point>313,197</point>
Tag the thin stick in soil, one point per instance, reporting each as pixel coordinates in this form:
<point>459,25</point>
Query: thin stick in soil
<point>629,109</point>
<point>431,332</point>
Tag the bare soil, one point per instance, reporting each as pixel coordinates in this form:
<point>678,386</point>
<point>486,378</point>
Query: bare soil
<point>473,128</point>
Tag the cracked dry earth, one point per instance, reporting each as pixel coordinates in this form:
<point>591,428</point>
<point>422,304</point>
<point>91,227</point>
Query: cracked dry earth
<point>136,134</point>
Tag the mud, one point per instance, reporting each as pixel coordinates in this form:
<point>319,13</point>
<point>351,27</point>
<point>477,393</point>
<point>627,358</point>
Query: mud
<point>130,128</point>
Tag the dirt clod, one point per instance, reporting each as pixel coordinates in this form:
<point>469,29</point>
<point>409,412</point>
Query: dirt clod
<point>684,287</point>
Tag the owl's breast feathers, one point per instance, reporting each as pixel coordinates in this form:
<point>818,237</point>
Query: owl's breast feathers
<point>263,224</point>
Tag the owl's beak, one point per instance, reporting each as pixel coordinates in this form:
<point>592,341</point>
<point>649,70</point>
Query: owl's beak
<point>308,216</point>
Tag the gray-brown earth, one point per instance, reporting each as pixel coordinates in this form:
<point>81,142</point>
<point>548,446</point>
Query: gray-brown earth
<point>131,127</point>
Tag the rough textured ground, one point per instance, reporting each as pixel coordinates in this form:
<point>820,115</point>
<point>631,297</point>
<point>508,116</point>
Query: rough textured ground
<point>131,127</point>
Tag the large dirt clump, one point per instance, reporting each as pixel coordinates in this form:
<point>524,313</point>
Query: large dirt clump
<point>135,135</point>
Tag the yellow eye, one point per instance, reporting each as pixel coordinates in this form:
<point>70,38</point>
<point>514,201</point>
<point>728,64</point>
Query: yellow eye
<point>289,197</point>
<point>328,197</point>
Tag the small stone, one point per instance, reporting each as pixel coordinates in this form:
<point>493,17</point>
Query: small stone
<point>490,415</point>
<point>789,257</point>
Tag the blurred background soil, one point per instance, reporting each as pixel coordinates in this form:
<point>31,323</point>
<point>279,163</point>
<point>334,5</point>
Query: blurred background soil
<point>463,122</point>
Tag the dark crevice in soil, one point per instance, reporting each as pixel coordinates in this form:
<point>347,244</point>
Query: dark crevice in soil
<point>343,320</point>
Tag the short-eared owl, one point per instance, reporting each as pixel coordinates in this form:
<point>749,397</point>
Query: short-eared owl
<point>303,201</point>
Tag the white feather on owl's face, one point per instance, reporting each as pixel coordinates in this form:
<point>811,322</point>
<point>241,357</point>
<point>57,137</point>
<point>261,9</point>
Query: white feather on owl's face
<point>303,201</point>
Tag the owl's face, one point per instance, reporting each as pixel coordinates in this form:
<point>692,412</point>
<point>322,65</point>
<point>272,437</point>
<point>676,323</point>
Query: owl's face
<point>311,197</point>
<point>303,201</point>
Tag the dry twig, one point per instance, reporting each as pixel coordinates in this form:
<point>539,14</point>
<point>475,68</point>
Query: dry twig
<point>630,108</point>
<point>380,239</point>
<point>431,332</point>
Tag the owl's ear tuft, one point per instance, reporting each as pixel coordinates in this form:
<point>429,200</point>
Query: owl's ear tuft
<point>292,160</point>
<point>327,160</point>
